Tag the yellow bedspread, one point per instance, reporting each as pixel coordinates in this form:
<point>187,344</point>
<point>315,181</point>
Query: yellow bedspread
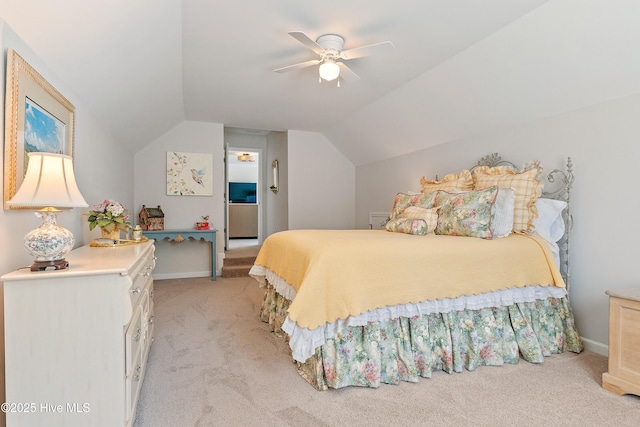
<point>338,273</point>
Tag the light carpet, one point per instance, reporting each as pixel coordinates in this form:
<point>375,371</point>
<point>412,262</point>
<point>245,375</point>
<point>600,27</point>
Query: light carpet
<point>213,363</point>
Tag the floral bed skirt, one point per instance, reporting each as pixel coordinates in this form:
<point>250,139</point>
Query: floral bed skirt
<point>404,349</point>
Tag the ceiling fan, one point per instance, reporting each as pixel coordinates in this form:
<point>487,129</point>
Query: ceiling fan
<point>332,57</point>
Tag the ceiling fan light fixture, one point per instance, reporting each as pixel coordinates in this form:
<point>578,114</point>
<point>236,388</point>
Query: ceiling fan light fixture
<point>329,70</point>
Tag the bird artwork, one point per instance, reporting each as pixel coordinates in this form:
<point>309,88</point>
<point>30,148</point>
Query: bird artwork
<point>197,175</point>
<point>189,174</point>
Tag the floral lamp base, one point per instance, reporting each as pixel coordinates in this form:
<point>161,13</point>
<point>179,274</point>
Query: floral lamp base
<point>49,243</point>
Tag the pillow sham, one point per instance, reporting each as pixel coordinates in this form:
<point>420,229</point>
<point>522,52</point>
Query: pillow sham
<point>416,227</point>
<point>429,215</point>
<point>549,223</point>
<point>466,214</point>
<point>502,218</point>
<point>452,183</point>
<point>404,200</point>
<point>526,185</point>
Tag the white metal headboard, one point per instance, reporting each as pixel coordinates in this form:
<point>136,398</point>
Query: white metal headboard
<point>561,185</point>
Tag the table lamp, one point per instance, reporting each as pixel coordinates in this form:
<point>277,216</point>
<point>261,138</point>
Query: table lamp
<point>49,184</point>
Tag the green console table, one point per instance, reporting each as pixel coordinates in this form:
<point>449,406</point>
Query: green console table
<point>182,235</point>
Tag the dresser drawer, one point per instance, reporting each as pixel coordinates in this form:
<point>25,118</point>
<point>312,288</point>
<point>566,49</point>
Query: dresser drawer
<point>140,276</point>
<point>137,333</point>
<point>132,387</point>
<point>134,340</point>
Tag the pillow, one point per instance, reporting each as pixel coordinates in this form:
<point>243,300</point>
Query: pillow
<point>526,185</point>
<point>429,215</point>
<point>502,218</point>
<point>466,214</point>
<point>549,223</point>
<point>417,227</point>
<point>452,183</point>
<point>403,201</point>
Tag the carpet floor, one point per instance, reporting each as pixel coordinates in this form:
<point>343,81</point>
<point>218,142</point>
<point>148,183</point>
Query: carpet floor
<point>213,363</point>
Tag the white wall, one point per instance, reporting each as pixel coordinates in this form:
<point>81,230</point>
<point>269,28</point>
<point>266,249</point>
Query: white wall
<point>243,171</point>
<point>103,168</point>
<point>277,215</point>
<point>602,141</point>
<point>321,183</point>
<point>187,259</point>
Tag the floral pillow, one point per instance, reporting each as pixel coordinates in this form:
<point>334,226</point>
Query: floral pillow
<point>403,201</point>
<point>417,227</point>
<point>526,185</point>
<point>452,183</point>
<point>429,215</point>
<point>466,214</point>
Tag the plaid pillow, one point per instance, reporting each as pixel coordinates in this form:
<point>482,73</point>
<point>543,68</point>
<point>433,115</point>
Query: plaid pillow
<point>453,183</point>
<point>526,185</point>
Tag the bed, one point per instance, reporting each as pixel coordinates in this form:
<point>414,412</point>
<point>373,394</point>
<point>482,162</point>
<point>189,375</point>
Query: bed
<point>472,271</point>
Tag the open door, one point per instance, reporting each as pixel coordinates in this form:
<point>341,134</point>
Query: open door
<point>244,200</point>
<point>226,196</point>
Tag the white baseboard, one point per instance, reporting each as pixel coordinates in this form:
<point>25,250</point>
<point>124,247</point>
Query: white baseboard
<point>595,346</point>
<point>184,275</point>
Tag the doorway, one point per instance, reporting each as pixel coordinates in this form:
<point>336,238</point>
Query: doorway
<point>244,197</point>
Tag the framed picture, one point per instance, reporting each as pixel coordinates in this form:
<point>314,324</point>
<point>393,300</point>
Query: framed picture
<point>37,118</point>
<point>189,174</point>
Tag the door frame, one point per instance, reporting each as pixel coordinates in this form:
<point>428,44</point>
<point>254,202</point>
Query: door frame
<point>261,194</point>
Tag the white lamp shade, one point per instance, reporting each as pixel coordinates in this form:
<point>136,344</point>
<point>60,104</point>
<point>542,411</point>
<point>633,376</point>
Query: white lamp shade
<point>329,70</point>
<point>49,182</point>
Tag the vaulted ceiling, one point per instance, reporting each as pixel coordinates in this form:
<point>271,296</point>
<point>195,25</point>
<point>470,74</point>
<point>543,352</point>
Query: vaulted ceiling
<point>143,66</point>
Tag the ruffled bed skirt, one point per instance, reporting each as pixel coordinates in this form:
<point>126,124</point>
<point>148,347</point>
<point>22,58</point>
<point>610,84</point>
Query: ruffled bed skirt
<point>404,349</point>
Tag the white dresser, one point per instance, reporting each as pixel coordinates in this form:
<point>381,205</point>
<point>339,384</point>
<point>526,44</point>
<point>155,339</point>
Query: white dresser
<point>77,340</point>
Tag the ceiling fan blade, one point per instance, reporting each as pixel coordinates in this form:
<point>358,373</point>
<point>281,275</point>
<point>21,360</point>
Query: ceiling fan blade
<point>297,66</point>
<point>305,40</point>
<point>347,73</point>
<point>358,52</point>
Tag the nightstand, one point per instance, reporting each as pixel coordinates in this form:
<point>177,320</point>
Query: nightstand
<point>624,342</point>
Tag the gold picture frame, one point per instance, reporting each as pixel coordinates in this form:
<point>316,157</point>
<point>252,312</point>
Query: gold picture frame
<point>37,118</point>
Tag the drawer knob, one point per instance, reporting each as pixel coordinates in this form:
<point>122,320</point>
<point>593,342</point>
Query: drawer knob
<point>135,291</point>
<point>136,377</point>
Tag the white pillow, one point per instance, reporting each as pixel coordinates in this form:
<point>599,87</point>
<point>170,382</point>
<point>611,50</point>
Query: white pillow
<point>502,219</point>
<point>550,224</point>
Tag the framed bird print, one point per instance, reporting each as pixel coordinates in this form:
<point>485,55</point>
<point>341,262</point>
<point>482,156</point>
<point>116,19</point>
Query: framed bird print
<point>189,174</point>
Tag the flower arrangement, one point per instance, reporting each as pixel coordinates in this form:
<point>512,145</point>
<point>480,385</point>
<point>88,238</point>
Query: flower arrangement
<point>110,216</point>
